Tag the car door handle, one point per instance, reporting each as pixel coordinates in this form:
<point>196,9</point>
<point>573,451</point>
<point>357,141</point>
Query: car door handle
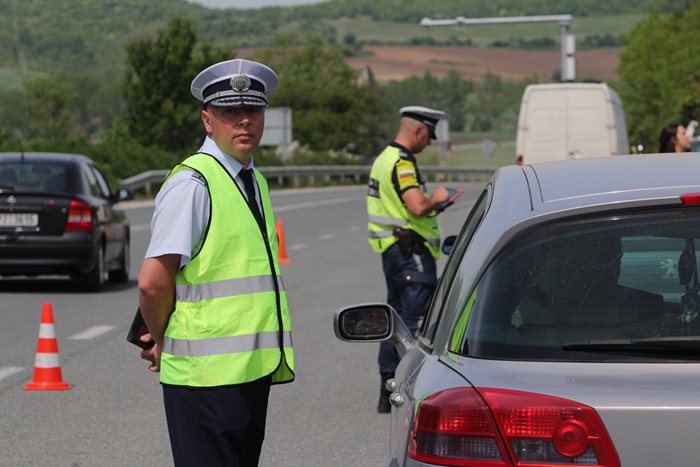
<point>397,399</point>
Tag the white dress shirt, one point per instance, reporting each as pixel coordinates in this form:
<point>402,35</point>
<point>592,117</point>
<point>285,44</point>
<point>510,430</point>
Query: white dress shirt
<point>182,208</point>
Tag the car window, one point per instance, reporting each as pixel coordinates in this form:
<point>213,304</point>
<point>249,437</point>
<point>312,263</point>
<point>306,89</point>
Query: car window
<point>44,177</point>
<point>101,182</point>
<point>470,225</point>
<point>94,186</point>
<point>587,280</point>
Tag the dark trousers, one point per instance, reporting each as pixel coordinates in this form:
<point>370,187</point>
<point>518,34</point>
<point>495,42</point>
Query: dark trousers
<point>410,286</point>
<point>217,426</point>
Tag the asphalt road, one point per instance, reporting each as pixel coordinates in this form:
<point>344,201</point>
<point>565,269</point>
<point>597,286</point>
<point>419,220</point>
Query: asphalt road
<point>113,414</point>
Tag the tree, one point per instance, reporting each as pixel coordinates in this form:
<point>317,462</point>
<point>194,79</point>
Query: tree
<point>331,110</point>
<point>453,90</point>
<point>160,109</point>
<point>494,104</point>
<point>50,108</point>
<point>447,94</point>
<point>660,73</point>
<point>13,115</point>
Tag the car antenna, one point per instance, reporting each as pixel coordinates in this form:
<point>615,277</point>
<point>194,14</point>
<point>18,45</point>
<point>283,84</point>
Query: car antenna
<point>18,135</point>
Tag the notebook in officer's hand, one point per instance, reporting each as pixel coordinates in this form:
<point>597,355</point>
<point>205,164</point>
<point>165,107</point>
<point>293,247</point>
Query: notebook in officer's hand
<point>138,328</point>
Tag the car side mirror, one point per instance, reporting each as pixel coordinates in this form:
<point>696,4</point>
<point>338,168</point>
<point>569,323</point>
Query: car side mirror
<point>448,243</point>
<point>123,194</point>
<point>364,323</point>
<point>372,322</point>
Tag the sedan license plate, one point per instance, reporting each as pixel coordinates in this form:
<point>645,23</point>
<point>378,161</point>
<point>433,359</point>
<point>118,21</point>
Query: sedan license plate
<point>17,219</point>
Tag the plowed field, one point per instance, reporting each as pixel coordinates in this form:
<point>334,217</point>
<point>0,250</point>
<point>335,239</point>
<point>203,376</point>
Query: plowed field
<point>395,63</point>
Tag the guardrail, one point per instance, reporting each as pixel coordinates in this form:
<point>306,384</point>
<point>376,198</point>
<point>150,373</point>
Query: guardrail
<point>293,175</point>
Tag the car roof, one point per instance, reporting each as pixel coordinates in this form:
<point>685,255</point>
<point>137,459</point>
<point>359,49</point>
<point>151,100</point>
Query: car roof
<point>614,179</point>
<point>42,157</point>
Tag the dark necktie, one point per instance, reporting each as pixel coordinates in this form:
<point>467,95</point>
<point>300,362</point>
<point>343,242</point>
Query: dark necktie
<point>247,177</point>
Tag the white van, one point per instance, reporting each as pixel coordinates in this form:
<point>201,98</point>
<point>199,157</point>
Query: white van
<point>570,121</point>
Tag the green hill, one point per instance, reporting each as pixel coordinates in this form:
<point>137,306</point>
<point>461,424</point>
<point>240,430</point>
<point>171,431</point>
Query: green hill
<point>87,36</point>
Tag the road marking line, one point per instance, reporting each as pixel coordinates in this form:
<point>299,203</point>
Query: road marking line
<point>297,246</point>
<point>91,333</point>
<point>313,204</point>
<point>355,228</point>
<point>9,371</point>
<point>140,227</point>
<point>327,236</point>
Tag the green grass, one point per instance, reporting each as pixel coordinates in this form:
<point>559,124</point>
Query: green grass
<point>9,79</point>
<point>470,155</point>
<point>365,29</point>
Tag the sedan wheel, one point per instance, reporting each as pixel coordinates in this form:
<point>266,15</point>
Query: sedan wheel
<point>94,280</point>
<point>121,274</point>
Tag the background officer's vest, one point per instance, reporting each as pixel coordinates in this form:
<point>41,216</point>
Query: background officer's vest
<point>386,209</point>
<point>231,322</point>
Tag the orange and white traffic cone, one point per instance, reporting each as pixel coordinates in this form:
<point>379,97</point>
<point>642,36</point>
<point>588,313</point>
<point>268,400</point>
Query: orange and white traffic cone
<point>47,371</point>
<point>282,256</point>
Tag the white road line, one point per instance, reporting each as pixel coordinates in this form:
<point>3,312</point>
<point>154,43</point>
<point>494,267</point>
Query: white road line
<point>327,236</point>
<point>140,227</point>
<point>91,333</point>
<point>9,371</point>
<point>313,204</point>
<point>355,228</point>
<point>297,246</point>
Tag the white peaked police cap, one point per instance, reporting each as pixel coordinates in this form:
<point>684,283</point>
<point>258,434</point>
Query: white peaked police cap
<point>427,116</point>
<point>234,83</point>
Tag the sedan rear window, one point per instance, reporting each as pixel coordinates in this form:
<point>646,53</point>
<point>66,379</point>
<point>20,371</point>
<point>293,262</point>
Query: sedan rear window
<point>614,288</point>
<point>33,177</point>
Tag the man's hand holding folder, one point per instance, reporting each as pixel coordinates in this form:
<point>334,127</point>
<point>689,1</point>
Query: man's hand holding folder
<point>138,332</point>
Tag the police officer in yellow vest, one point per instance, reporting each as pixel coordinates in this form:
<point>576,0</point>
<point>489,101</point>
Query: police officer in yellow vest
<point>403,227</point>
<point>210,289</point>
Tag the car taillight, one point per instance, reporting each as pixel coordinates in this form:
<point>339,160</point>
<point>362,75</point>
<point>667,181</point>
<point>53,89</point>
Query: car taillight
<point>500,427</point>
<point>519,160</point>
<point>79,217</point>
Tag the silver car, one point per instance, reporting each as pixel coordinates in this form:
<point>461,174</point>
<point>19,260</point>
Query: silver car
<point>565,328</point>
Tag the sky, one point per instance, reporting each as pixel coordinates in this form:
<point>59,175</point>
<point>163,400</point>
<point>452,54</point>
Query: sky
<point>241,4</point>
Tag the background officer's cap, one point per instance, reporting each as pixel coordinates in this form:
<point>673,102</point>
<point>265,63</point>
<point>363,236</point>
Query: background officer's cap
<point>427,116</point>
<point>235,82</point>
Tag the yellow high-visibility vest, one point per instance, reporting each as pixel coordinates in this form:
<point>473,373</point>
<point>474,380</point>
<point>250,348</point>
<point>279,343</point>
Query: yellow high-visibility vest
<point>231,322</point>
<point>386,210</point>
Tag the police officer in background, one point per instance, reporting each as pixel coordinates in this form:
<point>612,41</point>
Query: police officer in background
<point>210,289</point>
<point>403,228</point>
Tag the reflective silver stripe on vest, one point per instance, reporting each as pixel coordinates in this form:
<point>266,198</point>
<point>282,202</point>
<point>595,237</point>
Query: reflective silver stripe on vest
<point>226,288</point>
<point>225,345</point>
<point>382,234</point>
<point>387,220</point>
<point>434,242</point>
<point>386,234</point>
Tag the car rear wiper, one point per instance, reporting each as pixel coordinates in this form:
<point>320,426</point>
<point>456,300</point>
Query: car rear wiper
<point>670,343</point>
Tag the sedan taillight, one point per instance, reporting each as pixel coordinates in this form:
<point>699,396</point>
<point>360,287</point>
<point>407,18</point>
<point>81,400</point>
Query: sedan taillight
<point>500,427</point>
<point>79,217</point>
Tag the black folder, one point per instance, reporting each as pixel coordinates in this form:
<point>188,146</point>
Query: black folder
<point>138,328</point>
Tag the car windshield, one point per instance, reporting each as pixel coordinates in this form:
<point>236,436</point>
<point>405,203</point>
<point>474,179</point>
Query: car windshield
<point>614,288</point>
